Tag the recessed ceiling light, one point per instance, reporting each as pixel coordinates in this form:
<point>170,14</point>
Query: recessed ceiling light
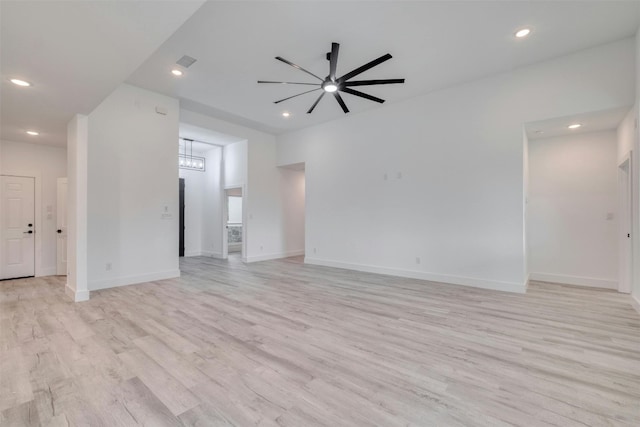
<point>574,126</point>
<point>19,82</point>
<point>286,114</point>
<point>524,32</point>
<point>33,133</point>
<point>176,72</point>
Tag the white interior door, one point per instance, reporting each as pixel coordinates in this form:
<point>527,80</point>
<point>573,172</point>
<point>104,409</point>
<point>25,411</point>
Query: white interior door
<point>17,227</point>
<point>61,218</point>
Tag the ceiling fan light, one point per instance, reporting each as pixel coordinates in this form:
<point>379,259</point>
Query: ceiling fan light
<point>331,87</point>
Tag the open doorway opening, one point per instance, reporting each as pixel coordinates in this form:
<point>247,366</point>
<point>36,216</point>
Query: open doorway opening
<point>205,158</point>
<point>625,221</point>
<point>573,214</point>
<point>233,230</point>
<point>293,186</point>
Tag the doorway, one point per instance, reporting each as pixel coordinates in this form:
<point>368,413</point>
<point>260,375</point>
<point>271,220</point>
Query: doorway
<point>17,227</point>
<point>181,222</point>
<point>233,231</point>
<point>626,220</point>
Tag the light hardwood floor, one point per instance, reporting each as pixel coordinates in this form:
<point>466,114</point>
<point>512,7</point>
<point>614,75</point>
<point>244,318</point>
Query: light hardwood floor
<point>282,343</point>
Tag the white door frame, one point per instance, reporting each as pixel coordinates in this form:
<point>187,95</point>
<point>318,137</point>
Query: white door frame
<point>625,224</point>
<point>37,182</point>
<point>61,224</point>
<point>225,213</point>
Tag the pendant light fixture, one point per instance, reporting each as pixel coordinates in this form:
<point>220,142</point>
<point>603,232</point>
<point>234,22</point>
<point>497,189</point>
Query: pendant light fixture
<point>188,160</point>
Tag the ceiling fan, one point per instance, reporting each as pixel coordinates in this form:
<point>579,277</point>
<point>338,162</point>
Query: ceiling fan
<point>335,85</point>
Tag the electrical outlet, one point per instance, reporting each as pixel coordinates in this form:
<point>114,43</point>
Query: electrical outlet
<point>107,266</point>
<point>315,250</point>
<point>417,260</point>
<point>261,247</point>
<point>386,176</point>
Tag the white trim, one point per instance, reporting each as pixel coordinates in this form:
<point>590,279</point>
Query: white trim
<point>132,280</point>
<point>423,275</point>
<point>592,282</point>
<point>635,302</point>
<point>274,256</point>
<point>74,295</point>
<point>212,254</point>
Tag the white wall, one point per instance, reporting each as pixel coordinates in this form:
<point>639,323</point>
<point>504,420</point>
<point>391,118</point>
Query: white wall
<point>636,170</point>
<point>77,287</point>
<point>573,186</point>
<point>46,164</point>
<point>626,135</point>
<point>194,183</point>
<point>453,160</point>
<point>212,205</point>
<point>133,178</point>
<point>235,159</point>
<point>525,203</point>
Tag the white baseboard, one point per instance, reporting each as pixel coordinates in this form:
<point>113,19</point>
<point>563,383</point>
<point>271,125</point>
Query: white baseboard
<point>76,296</point>
<point>591,282</point>
<point>187,254</point>
<point>212,254</point>
<point>423,275</point>
<point>274,256</point>
<point>635,302</point>
<point>132,280</point>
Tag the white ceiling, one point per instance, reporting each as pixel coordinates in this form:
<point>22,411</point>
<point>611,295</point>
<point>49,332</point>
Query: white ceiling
<point>75,53</point>
<point>591,122</point>
<point>434,44</point>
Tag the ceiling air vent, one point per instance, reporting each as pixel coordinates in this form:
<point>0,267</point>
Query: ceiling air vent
<point>186,61</point>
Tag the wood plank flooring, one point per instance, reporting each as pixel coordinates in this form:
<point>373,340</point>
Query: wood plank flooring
<point>280,343</point>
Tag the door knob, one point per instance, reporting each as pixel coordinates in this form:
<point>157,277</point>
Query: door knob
<point>28,232</point>
<point>30,225</point>
<point>59,231</point>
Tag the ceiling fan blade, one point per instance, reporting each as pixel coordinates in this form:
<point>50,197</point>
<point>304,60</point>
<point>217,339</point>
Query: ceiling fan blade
<point>364,68</point>
<point>290,83</point>
<point>298,67</point>
<point>279,101</point>
<point>316,103</point>
<point>362,95</point>
<point>341,102</point>
<point>333,60</point>
<point>373,82</point>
